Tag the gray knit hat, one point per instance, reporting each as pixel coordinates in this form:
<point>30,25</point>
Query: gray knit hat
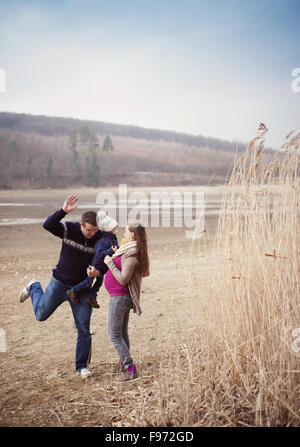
<point>105,222</point>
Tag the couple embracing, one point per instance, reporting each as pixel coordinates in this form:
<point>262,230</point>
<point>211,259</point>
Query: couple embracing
<point>90,250</point>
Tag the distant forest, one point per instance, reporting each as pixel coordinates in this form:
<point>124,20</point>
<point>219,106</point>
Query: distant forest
<point>41,151</point>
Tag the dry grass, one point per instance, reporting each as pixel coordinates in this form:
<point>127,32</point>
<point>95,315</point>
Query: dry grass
<point>239,367</point>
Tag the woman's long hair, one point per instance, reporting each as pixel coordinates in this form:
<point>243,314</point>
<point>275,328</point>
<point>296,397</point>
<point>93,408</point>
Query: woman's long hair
<point>142,255</point>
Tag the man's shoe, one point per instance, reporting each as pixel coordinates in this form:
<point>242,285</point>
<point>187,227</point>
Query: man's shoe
<point>24,294</point>
<point>92,302</point>
<point>85,373</point>
<point>72,295</point>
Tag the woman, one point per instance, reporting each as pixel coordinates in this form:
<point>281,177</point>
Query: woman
<point>128,265</point>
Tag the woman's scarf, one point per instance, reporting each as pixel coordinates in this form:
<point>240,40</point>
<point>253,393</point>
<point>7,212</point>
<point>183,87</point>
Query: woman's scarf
<point>124,247</point>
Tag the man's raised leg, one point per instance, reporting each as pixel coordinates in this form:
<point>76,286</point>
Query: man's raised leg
<point>45,303</point>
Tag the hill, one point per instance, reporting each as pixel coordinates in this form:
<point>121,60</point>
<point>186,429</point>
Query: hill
<point>41,151</point>
<point>54,126</point>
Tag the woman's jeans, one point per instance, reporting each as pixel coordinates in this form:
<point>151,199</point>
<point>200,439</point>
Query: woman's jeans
<point>117,326</point>
<point>45,303</point>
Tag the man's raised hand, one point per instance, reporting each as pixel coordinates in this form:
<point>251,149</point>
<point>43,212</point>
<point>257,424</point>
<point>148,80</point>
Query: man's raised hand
<point>70,203</point>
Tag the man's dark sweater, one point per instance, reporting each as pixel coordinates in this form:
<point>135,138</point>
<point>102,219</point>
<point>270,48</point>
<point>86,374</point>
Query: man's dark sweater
<point>77,251</point>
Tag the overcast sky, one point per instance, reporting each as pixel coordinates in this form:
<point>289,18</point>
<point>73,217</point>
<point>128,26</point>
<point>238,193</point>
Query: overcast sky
<point>214,68</point>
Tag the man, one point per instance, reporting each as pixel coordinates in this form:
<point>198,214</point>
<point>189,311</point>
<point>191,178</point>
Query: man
<point>76,254</point>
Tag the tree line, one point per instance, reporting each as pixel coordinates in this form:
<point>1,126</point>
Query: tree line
<point>30,160</point>
<point>50,126</point>
<point>40,152</point>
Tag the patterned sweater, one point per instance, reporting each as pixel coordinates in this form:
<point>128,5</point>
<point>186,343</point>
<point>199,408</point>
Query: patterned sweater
<point>76,252</point>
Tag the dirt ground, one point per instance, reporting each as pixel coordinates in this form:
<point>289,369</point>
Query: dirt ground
<point>38,384</point>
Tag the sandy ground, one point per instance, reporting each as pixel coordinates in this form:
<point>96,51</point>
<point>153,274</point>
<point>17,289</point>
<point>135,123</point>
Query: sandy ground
<point>38,384</point>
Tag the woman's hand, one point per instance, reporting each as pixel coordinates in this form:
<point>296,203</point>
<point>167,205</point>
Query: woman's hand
<point>114,248</point>
<point>107,259</point>
<point>92,272</point>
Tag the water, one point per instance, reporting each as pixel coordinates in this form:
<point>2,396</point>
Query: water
<point>20,213</point>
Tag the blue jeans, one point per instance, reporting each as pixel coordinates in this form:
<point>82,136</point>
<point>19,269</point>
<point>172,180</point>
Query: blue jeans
<point>86,284</point>
<point>117,326</point>
<point>45,303</point>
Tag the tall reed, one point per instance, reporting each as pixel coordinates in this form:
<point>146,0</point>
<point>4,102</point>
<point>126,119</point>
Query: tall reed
<point>242,367</point>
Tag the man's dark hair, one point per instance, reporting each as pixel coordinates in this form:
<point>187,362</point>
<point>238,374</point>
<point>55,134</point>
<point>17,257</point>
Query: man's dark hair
<point>89,217</point>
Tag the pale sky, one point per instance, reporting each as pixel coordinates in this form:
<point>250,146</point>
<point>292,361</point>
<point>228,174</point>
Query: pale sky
<point>211,68</point>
